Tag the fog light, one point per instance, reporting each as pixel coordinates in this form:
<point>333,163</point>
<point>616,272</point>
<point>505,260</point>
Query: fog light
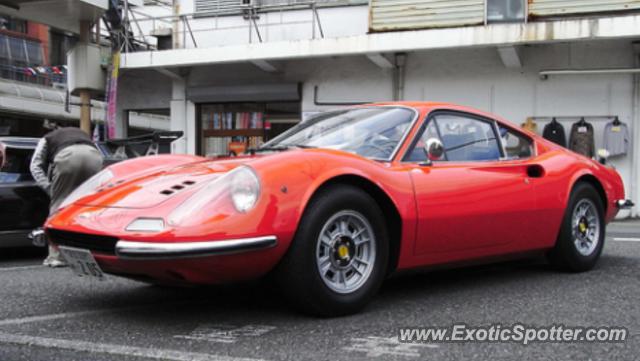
<point>146,225</point>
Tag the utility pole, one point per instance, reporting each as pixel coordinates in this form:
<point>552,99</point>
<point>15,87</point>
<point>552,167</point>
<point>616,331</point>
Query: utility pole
<point>85,94</point>
<point>176,25</point>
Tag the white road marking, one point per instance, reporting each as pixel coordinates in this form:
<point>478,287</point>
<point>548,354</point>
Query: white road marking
<point>226,333</point>
<point>20,268</point>
<point>623,239</point>
<point>57,316</point>
<point>382,346</point>
<point>63,315</point>
<point>112,349</point>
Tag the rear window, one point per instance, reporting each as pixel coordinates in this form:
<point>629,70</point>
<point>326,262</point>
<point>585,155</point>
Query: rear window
<point>16,166</point>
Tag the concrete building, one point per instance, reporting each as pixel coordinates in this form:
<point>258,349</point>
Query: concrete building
<point>286,59</point>
<point>35,38</point>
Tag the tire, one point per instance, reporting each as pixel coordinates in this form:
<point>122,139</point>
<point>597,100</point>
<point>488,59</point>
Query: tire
<point>309,274</point>
<point>569,253</point>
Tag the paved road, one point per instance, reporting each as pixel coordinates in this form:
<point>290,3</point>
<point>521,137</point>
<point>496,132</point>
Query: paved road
<point>51,315</point>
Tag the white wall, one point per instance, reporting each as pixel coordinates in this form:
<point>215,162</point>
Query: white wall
<point>477,77</point>
<point>473,76</point>
<point>273,26</point>
<point>141,90</point>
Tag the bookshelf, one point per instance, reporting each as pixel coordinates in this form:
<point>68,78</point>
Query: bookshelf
<point>232,128</point>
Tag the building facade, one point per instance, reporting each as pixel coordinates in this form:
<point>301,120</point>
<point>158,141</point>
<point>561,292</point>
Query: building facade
<point>33,81</point>
<point>241,71</point>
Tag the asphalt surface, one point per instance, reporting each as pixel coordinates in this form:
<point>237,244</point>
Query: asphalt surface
<point>49,314</point>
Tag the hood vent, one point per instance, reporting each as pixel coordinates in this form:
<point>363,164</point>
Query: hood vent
<point>177,187</point>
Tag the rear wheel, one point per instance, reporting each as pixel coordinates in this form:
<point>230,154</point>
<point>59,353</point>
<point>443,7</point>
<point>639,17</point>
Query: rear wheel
<point>338,258</point>
<point>581,238</point>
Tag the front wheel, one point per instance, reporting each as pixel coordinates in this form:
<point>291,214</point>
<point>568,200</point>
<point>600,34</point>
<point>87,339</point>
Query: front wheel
<point>338,258</point>
<point>582,234</point>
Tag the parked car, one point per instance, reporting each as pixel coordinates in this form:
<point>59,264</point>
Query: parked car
<point>337,203</point>
<point>23,205</point>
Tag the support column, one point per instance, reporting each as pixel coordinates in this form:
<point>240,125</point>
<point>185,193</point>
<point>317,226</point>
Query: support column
<point>183,118</point>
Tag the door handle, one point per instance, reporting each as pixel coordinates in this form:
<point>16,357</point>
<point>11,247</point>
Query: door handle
<point>535,171</point>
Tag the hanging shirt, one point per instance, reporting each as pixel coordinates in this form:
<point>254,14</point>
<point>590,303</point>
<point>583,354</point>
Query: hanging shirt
<point>581,139</point>
<point>530,125</point>
<point>554,132</point>
<point>616,139</point>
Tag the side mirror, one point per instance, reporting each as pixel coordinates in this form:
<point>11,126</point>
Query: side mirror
<point>434,149</point>
<point>603,155</point>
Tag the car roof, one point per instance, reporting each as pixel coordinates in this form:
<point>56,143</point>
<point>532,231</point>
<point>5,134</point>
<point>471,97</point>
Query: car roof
<point>430,106</point>
<point>20,142</point>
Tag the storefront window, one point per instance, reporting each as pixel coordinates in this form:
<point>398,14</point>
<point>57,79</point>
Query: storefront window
<point>233,128</point>
<point>504,11</point>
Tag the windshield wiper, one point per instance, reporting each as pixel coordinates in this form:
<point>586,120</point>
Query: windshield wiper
<point>303,146</point>
<point>278,148</point>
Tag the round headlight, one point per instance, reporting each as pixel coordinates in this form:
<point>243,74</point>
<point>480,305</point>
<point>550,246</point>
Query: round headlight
<point>245,189</point>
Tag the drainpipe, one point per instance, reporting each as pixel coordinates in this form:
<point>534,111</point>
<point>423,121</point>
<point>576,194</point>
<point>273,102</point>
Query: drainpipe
<point>399,71</point>
<point>635,147</point>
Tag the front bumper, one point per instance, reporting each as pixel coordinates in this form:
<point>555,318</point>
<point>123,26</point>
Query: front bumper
<point>130,250</point>
<point>624,204</point>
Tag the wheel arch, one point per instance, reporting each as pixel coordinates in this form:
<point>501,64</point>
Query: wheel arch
<point>595,183</point>
<point>384,201</point>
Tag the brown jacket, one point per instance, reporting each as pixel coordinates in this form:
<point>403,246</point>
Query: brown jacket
<point>581,139</point>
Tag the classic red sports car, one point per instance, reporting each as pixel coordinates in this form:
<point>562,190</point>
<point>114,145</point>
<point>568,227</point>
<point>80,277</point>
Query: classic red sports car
<point>339,202</point>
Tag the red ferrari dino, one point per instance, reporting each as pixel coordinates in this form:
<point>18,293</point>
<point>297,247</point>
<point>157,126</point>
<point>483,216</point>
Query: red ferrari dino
<point>337,203</point>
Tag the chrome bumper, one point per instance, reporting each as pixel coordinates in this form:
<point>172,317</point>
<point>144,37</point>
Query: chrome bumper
<point>624,204</point>
<point>153,251</point>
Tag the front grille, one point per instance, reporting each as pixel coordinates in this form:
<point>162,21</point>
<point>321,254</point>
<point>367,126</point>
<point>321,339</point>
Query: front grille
<point>92,242</point>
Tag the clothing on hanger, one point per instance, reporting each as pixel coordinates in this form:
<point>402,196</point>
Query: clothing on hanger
<point>616,138</point>
<point>554,131</point>
<point>530,125</point>
<point>581,138</point>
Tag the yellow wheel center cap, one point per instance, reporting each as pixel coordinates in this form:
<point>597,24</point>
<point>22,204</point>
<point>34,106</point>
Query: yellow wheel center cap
<point>583,227</point>
<point>343,251</point>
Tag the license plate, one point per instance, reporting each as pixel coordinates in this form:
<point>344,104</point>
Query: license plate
<point>82,262</point>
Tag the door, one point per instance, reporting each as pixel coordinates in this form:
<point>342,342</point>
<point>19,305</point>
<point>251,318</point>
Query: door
<point>23,205</point>
<point>479,194</point>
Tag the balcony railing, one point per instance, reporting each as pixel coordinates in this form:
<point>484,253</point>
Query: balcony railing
<point>184,30</point>
<point>21,59</point>
<point>54,76</point>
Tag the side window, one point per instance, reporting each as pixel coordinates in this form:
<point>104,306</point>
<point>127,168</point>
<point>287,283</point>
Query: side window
<point>465,139</point>
<point>516,145</point>
<point>417,154</point>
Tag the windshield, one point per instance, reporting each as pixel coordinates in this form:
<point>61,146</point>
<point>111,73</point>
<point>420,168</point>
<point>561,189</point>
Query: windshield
<point>373,132</point>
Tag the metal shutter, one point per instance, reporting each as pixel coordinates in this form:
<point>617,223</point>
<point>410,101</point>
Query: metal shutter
<point>389,15</point>
<point>571,7</point>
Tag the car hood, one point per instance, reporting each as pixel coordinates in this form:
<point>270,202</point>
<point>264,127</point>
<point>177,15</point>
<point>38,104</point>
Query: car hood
<point>152,189</point>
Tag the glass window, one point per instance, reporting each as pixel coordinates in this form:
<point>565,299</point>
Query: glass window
<point>372,132</point>
<point>16,166</point>
<point>16,46</point>
<point>464,139</point>
<point>504,11</point>
<point>34,52</point>
<point>516,145</point>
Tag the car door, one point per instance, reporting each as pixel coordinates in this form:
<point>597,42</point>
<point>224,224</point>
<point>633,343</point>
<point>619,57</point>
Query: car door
<point>476,196</point>
<point>23,205</point>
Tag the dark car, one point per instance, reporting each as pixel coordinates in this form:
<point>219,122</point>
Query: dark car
<point>23,205</point>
